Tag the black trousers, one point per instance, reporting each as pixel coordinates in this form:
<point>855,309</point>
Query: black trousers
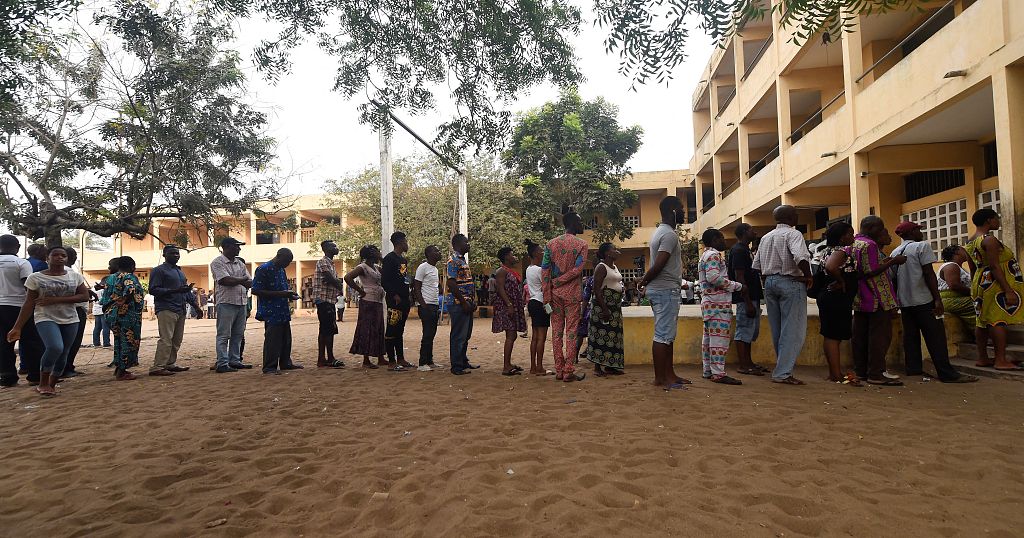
<point>429,315</point>
<point>872,334</point>
<point>277,346</point>
<point>30,346</point>
<point>76,344</point>
<point>918,320</point>
<point>394,330</point>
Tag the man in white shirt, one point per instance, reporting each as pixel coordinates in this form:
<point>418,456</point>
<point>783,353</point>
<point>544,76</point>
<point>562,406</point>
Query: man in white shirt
<point>426,291</point>
<point>13,272</point>
<point>784,261</point>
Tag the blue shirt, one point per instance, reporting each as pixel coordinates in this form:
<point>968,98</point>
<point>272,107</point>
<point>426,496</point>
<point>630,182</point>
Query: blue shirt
<point>38,265</point>
<point>273,310</point>
<point>164,281</point>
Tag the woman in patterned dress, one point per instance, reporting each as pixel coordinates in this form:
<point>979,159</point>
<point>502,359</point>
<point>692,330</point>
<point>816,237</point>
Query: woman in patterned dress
<point>368,339</point>
<point>605,327</point>
<point>835,301</point>
<point>997,288</point>
<point>507,300</point>
<point>123,299</point>
<point>716,307</point>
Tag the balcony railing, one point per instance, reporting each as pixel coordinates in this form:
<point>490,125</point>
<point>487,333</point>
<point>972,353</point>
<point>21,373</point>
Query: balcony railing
<point>771,156</point>
<point>306,235</point>
<point>757,58</point>
<point>899,46</point>
<point>725,103</point>
<point>816,116</point>
<point>732,187</point>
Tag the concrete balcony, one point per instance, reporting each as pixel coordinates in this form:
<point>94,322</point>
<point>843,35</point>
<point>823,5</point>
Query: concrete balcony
<point>803,160</point>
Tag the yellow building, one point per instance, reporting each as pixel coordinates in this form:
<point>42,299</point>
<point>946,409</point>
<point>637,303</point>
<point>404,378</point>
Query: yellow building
<point>263,234</point>
<point>914,114</point>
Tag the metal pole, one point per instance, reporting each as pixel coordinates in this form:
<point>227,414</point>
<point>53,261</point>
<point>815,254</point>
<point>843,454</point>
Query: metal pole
<point>387,194</point>
<point>463,208</point>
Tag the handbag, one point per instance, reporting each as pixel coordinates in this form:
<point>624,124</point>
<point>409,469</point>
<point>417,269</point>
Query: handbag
<point>819,283</point>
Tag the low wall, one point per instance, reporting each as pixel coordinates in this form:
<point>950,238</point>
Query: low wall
<point>638,326</point>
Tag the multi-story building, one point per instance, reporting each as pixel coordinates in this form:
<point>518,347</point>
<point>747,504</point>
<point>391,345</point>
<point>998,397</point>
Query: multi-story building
<point>914,114</point>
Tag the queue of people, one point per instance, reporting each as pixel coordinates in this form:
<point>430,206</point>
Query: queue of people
<point>859,291</point>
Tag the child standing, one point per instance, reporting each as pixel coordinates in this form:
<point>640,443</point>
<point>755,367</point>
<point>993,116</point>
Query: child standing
<point>716,307</point>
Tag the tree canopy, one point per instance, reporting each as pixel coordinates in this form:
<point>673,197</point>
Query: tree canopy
<point>425,201</point>
<point>572,153</point>
<point>150,121</point>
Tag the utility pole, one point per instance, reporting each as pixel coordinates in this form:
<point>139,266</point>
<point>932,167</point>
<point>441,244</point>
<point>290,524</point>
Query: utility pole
<point>387,194</point>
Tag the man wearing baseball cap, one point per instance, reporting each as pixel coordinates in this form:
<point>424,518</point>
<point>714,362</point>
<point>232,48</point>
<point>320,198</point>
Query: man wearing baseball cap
<point>232,282</point>
<point>921,306</point>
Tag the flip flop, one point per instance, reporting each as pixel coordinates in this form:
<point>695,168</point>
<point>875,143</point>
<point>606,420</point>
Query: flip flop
<point>336,364</point>
<point>751,371</point>
<point>1014,369</point>
<point>397,369</point>
<point>885,382</point>
<point>517,368</point>
<point>371,366</point>
<point>791,381</point>
<point>726,380</point>
<point>674,386</point>
<point>511,373</point>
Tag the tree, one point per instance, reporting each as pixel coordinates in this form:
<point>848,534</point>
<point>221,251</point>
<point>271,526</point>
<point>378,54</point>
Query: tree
<point>425,197</point>
<point>572,154</point>
<point>110,134</point>
<point>19,23</point>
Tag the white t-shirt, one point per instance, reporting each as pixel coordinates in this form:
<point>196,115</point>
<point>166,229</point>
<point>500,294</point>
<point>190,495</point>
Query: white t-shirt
<point>427,275</point>
<point>55,286</point>
<point>97,308</point>
<point>12,270</point>
<point>534,282</point>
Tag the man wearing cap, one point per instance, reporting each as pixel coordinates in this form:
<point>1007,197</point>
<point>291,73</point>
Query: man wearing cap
<point>921,306</point>
<point>232,282</point>
<point>170,295</point>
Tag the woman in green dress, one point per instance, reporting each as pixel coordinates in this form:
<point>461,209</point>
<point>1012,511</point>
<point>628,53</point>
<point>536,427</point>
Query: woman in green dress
<point>997,287</point>
<point>605,334</point>
<point>123,300</point>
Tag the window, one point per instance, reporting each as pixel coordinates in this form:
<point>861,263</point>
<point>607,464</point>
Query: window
<point>991,159</point>
<point>631,274</point>
<point>944,224</point>
<point>821,218</point>
<point>632,220</point>
<point>921,184</point>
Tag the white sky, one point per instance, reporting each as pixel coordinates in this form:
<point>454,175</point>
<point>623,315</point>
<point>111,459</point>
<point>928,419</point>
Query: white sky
<point>320,138</point>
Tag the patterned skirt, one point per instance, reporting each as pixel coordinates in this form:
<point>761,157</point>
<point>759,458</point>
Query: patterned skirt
<point>606,344</point>
<point>369,337</point>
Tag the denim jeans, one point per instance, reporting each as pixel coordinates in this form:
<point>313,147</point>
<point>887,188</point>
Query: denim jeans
<point>69,365</point>
<point>58,340</point>
<point>100,327</point>
<point>428,317</point>
<point>748,328</point>
<point>786,299</point>
<point>462,330</point>
<point>665,305</point>
<point>230,330</point>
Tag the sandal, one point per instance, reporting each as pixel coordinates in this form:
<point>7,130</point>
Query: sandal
<point>751,371</point>
<point>370,366</point>
<point>517,368</point>
<point>674,386</point>
<point>398,368</point>
<point>613,371</point>
<point>885,382</point>
<point>726,380</point>
<point>512,372</point>
<point>574,377</point>
<point>789,381</point>
<point>336,364</point>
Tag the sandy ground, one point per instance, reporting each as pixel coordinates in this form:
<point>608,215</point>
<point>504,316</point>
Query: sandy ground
<point>373,453</point>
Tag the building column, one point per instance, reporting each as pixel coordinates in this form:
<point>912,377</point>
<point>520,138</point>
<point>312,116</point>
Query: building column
<point>252,228</point>
<point>716,168</point>
<point>853,66</point>
<point>860,187</point>
<point>298,283</point>
<point>698,187</point>
<point>742,133</point>
<point>1008,94</point>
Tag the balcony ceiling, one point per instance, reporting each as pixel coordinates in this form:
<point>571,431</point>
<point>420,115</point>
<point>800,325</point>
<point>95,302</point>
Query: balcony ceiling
<point>836,176</point>
<point>767,108</point>
<point>727,66</point>
<point>764,140</point>
<point>816,54</point>
<point>888,25</point>
<point>804,102</point>
<point>971,118</point>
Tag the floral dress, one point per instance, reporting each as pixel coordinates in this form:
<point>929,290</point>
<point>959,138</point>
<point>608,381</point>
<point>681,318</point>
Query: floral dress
<point>989,297</point>
<point>122,301</point>
<point>509,317</point>
<point>607,347</point>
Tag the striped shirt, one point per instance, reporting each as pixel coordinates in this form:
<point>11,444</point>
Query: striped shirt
<point>324,292</point>
<point>781,251</point>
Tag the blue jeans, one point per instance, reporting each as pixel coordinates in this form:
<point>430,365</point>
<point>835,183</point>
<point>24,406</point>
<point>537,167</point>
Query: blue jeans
<point>100,326</point>
<point>747,328</point>
<point>786,299</point>
<point>665,304</point>
<point>462,330</point>
<point>230,331</point>
<point>57,339</point>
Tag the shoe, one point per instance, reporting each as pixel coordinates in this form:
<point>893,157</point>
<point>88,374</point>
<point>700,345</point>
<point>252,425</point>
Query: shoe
<point>461,372</point>
<point>472,366</point>
<point>240,366</point>
<point>161,372</point>
<point>424,368</point>
<point>890,376</point>
<point>70,373</point>
<point>293,367</point>
<point>176,368</point>
<point>964,378</point>
<point>225,369</point>
<point>271,372</point>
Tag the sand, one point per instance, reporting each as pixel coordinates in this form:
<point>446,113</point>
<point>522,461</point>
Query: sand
<point>373,453</point>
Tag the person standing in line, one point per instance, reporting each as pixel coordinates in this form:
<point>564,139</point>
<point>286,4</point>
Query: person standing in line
<point>368,339</point>
<point>426,289</point>
<point>83,315</point>
<point>748,305</point>
<point>171,293</point>
<point>997,287</point>
<point>876,304</point>
<point>394,278</point>
<point>955,290</point>
<point>150,302</point>
<point>211,302</point>
<point>563,291</point>
<point>662,285</point>
<point>835,299</point>
<point>784,261</point>
<point>604,338</point>
<point>123,300</point>
<point>921,306</point>
<point>50,302</point>
<point>232,282</point>
<point>100,326</point>
<point>461,291</point>
<point>716,306</point>
<point>540,320</point>
<point>509,316</point>
<point>37,255</point>
<point>13,272</point>
<point>326,291</point>
<point>270,285</point>
<point>583,330</point>
<point>340,306</point>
